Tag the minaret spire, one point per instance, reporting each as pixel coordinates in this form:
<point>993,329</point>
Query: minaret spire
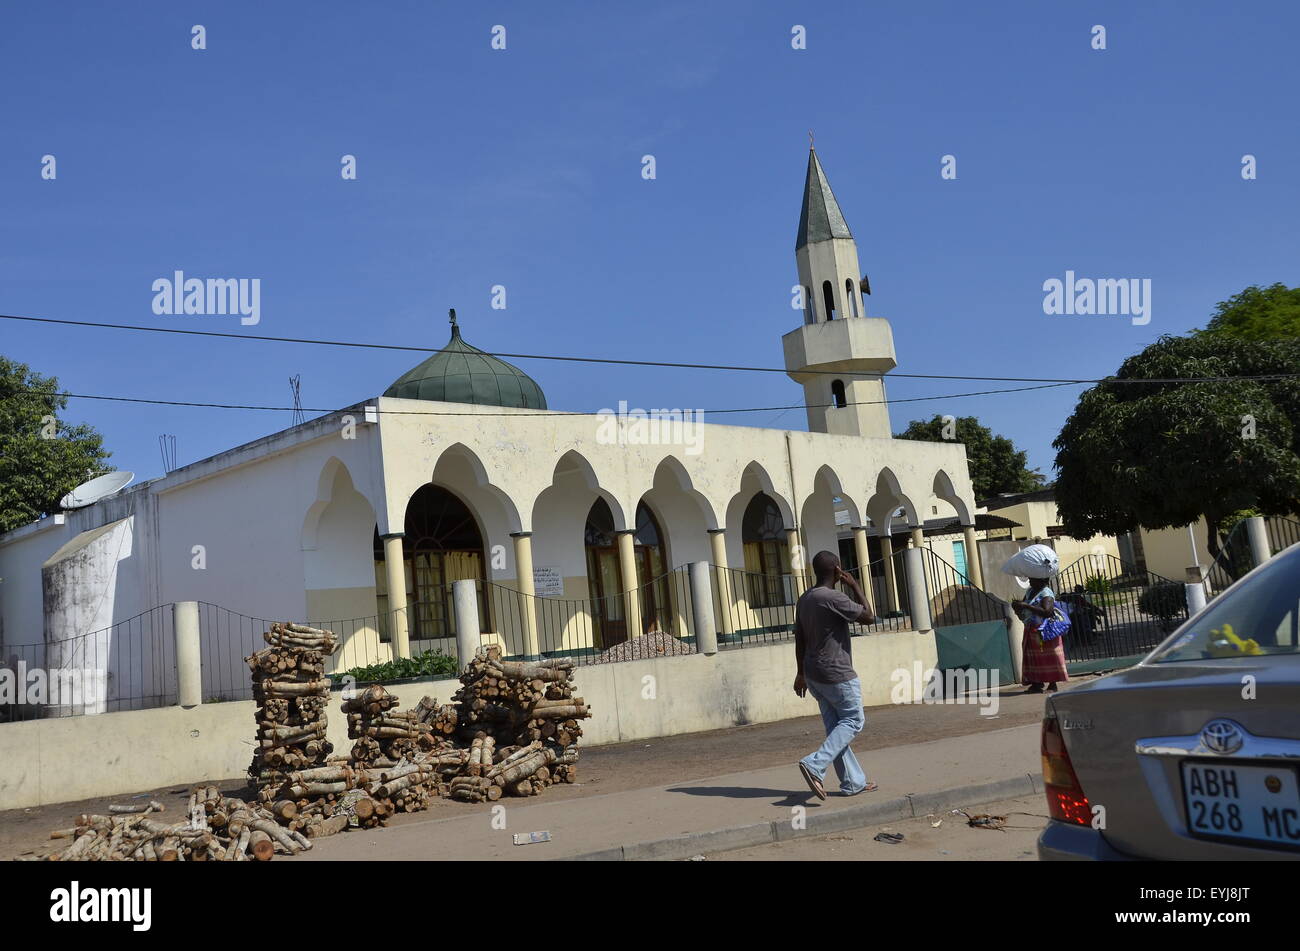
<point>820,219</point>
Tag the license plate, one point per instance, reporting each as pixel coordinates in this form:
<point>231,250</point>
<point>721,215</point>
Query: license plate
<point>1258,804</point>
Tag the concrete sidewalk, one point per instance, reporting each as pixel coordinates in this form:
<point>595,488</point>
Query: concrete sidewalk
<point>728,811</point>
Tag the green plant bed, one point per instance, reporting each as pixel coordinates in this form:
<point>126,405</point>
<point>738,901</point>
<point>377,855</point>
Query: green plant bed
<point>429,664</point>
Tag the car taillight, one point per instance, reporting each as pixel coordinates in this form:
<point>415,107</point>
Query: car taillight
<point>1065,798</point>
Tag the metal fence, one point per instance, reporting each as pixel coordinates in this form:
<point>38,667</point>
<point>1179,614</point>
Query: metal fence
<point>654,619</point>
<point>1117,610</point>
<point>1233,560</point>
<point>365,650</point>
<point>1282,533</point>
<point>130,665</point>
<point>954,600</point>
<point>754,609</point>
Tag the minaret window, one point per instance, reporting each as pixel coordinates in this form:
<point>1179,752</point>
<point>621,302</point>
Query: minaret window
<point>852,307</point>
<point>809,310</point>
<point>837,391</point>
<point>828,297</point>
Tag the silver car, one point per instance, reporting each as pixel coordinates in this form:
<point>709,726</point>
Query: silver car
<point>1194,753</point>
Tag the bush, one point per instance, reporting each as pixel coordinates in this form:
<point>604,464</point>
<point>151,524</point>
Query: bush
<point>1097,584</point>
<point>431,663</point>
<point>1165,600</point>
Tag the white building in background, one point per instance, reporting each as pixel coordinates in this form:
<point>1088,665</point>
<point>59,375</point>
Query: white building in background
<point>361,519</point>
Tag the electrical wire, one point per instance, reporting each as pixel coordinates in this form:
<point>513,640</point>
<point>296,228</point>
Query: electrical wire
<point>643,363</point>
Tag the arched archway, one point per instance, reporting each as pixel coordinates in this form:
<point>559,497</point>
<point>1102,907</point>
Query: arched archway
<point>767,556</point>
<point>442,543</point>
<point>600,539</point>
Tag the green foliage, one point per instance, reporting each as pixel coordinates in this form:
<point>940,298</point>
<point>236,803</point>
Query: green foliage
<point>1164,600</point>
<point>1160,455</point>
<point>996,466</point>
<point>36,471</point>
<point>1097,584</point>
<point>431,663</point>
<point>1258,313</point>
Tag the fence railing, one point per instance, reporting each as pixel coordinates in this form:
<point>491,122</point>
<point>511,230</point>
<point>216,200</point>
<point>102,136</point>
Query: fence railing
<point>654,619</point>
<point>954,600</point>
<point>1233,560</point>
<point>1116,609</point>
<point>130,665</point>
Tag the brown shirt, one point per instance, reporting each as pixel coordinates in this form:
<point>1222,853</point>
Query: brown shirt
<point>822,617</point>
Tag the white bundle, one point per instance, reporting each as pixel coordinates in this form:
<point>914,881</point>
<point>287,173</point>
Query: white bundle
<point>1034,561</point>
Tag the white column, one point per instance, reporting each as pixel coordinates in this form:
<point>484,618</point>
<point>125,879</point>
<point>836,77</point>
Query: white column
<point>726,597</point>
<point>1257,534</point>
<point>864,558</point>
<point>189,664</point>
<point>973,566</point>
<point>706,634</point>
<point>464,599</point>
<point>528,603</point>
<point>395,572</point>
<point>891,577</point>
<point>798,559</point>
<point>918,537</point>
<point>916,596</point>
<point>627,570</point>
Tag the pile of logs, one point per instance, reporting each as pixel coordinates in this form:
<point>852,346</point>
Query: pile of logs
<point>291,691</point>
<point>522,719</point>
<point>512,730</point>
<point>409,753</point>
<point>216,828</point>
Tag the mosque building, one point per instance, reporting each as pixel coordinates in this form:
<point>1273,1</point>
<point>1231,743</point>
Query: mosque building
<point>461,470</point>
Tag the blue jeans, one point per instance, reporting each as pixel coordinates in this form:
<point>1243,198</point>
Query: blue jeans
<point>841,706</point>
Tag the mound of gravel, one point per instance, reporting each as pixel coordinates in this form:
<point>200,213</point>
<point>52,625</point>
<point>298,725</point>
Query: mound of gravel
<point>654,644</point>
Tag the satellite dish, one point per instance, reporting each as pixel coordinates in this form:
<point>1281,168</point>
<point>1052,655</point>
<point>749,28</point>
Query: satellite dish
<point>88,493</point>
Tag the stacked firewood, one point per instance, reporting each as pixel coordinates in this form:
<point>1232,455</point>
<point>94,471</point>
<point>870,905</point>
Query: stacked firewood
<point>383,732</point>
<point>216,828</point>
<point>523,720</point>
<point>292,692</point>
<point>408,753</point>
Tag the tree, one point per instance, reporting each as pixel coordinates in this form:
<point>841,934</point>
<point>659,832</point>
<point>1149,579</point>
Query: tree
<point>1161,455</point>
<point>996,466</point>
<point>1258,313</point>
<point>42,458</point>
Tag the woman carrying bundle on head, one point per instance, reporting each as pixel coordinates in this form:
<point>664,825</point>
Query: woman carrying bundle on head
<point>1042,646</point>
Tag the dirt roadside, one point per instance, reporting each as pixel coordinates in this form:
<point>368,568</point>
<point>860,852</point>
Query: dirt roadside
<point>618,767</point>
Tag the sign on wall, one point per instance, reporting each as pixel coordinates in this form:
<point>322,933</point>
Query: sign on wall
<point>547,581</point>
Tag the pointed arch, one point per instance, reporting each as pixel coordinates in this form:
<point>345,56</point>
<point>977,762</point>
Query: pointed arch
<point>943,489</point>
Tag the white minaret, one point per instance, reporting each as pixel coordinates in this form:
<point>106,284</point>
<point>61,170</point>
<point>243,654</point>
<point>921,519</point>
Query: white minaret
<point>837,336</point>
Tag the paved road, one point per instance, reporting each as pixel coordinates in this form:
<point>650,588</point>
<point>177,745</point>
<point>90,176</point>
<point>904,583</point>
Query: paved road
<point>953,840</point>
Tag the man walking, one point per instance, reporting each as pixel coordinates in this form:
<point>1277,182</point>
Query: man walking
<point>825,667</point>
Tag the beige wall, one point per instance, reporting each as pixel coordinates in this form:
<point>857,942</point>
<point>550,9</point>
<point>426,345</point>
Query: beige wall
<point>47,761</point>
<point>1169,551</point>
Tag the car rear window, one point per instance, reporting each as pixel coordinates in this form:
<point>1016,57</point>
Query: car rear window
<point>1258,617</point>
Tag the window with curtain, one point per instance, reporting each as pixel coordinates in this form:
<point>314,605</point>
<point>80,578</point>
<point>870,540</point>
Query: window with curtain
<point>767,557</point>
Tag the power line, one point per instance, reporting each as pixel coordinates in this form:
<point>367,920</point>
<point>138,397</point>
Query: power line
<point>532,415</point>
<point>645,363</point>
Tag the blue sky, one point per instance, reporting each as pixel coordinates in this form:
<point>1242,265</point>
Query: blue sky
<point>522,168</point>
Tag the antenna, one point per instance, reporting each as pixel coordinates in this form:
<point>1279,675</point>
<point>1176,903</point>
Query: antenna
<point>167,446</point>
<point>295,387</point>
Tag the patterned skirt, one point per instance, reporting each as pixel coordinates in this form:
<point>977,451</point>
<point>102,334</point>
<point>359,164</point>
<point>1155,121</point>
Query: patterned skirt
<point>1042,663</point>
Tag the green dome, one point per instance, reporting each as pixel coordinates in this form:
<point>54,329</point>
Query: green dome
<point>460,373</point>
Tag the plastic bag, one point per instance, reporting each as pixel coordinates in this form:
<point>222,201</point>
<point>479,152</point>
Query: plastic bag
<point>1035,561</point>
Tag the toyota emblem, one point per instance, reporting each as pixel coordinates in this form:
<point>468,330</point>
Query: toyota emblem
<point>1222,736</point>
